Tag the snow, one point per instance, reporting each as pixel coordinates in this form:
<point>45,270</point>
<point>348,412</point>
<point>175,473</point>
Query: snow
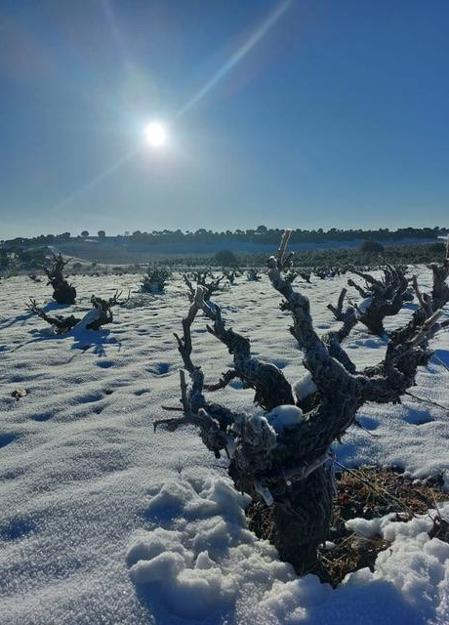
<point>104,522</point>
<point>90,317</point>
<point>304,387</point>
<point>282,417</point>
<point>201,565</point>
<point>364,305</point>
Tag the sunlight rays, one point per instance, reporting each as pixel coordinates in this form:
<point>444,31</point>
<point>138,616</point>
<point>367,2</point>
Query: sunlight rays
<point>270,21</point>
<point>97,179</point>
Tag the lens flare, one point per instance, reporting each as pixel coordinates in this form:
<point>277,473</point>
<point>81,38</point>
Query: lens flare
<point>155,134</point>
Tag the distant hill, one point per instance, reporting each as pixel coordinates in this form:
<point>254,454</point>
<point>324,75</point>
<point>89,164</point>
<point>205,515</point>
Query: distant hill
<point>111,250</point>
<point>141,246</point>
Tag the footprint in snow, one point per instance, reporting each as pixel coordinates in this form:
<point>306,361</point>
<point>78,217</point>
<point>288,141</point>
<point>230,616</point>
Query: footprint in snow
<point>41,416</point>
<point>16,528</point>
<point>159,368</point>
<point>90,398</point>
<point>105,364</point>
<point>368,423</point>
<point>7,438</point>
<point>418,417</point>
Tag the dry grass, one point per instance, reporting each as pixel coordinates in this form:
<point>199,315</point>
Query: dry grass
<point>367,492</point>
<point>372,492</point>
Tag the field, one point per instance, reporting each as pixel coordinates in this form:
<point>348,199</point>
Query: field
<point>105,522</point>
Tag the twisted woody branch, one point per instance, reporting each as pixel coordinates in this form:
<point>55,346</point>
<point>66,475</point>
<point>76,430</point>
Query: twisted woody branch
<point>272,389</point>
<point>63,292</point>
<point>382,298</point>
<point>206,281</point>
<point>98,316</point>
<point>282,458</point>
<point>429,303</point>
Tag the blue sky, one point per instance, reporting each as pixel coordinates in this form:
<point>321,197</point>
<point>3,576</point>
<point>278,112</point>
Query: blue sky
<point>336,116</point>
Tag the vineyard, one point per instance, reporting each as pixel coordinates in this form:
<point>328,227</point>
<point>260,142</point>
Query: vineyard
<point>324,497</point>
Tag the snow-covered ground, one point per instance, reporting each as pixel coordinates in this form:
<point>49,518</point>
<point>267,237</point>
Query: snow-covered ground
<point>105,522</point>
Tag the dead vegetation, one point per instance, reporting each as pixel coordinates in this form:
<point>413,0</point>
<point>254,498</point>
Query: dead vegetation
<point>363,493</point>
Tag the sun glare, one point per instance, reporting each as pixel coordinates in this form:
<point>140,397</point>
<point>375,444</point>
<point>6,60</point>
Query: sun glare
<point>155,134</point>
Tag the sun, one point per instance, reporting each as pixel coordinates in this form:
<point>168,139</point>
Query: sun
<point>156,134</point>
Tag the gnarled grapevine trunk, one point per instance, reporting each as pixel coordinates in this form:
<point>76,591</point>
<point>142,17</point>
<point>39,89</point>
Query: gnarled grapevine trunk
<point>98,316</point>
<point>282,458</point>
<point>382,298</point>
<point>63,292</point>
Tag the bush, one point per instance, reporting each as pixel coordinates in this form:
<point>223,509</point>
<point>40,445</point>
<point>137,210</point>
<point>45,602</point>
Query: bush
<point>32,258</point>
<point>156,279</point>
<point>372,247</point>
<point>226,258</point>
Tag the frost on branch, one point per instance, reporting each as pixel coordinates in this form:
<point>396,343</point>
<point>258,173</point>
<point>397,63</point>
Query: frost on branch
<point>381,297</point>
<point>282,456</point>
<point>333,339</point>
<point>272,389</point>
<point>429,303</point>
<point>63,292</point>
<point>99,315</point>
<point>206,280</point>
<point>155,280</point>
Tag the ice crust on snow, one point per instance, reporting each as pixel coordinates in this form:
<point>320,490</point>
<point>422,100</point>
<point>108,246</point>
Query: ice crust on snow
<point>90,495</point>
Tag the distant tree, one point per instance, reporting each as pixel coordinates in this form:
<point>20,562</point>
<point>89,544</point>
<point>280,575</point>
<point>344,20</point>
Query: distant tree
<point>437,248</point>
<point>226,258</point>
<point>372,247</point>
<point>84,234</point>
<point>101,234</point>
<point>262,229</point>
<point>31,258</point>
<point>4,259</point>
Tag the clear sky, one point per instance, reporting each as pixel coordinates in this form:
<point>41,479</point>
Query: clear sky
<point>309,113</point>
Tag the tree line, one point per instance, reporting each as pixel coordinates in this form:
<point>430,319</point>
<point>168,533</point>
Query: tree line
<point>261,234</point>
